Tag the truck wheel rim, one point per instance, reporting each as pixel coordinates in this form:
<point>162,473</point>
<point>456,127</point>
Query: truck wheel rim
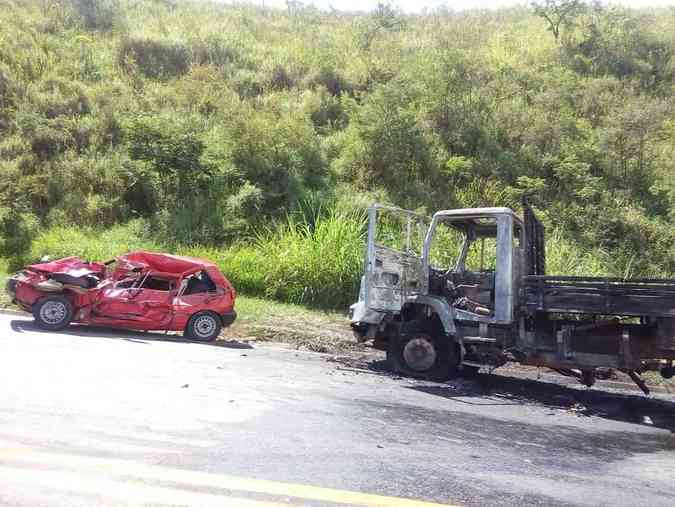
<point>419,354</point>
<point>205,326</point>
<point>53,312</point>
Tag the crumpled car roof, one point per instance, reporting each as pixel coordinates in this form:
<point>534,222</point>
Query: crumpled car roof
<point>174,264</point>
<point>160,263</point>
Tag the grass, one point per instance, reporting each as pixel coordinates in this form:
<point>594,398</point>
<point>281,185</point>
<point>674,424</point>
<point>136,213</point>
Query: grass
<point>4,275</point>
<point>4,298</point>
<point>265,320</point>
<point>315,262</point>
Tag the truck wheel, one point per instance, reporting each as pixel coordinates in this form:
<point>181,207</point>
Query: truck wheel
<point>53,313</point>
<point>421,353</point>
<point>203,326</point>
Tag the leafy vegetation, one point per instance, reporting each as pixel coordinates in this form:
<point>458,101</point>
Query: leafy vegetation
<point>255,137</point>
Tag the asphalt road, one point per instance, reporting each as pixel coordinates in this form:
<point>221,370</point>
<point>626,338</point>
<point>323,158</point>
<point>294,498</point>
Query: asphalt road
<point>93,417</point>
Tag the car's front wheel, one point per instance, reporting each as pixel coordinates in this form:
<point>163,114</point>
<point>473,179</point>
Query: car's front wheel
<point>53,313</point>
<point>203,326</point>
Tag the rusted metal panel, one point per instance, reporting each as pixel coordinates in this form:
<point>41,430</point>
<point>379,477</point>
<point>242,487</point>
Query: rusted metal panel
<point>604,296</point>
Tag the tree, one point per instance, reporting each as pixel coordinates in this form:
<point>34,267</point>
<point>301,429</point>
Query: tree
<point>558,13</point>
<point>385,18</point>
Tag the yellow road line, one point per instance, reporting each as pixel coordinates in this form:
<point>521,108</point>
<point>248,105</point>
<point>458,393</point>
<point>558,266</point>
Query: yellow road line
<point>137,494</point>
<point>159,473</point>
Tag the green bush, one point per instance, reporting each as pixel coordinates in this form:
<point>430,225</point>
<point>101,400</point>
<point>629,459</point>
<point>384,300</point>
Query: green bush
<point>212,51</point>
<point>332,80</point>
<point>98,14</point>
<point>317,265</point>
<point>59,97</point>
<point>155,59</point>
<point>17,230</point>
<point>91,243</point>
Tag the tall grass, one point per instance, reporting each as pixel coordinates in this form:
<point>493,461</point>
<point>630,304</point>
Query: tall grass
<point>317,263</point>
<point>566,258</point>
<point>91,244</point>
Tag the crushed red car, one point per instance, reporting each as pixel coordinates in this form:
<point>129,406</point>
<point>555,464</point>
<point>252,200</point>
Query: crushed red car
<point>140,290</point>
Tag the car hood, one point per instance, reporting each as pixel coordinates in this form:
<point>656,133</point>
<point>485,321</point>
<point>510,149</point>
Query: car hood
<point>73,266</point>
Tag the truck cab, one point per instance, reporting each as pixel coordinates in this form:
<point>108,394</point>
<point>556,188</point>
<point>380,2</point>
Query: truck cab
<point>467,289</point>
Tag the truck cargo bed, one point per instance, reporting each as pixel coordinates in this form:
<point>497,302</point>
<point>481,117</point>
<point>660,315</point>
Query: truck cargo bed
<point>600,296</point>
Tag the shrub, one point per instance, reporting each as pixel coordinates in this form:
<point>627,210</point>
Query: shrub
<point>278,153</point>
<point>332,80</point>
<point>97,14</point>
<point>17,230</point>
<point>7,98</point>
<point>320,265</point>
<point>280,79</point>
<point>91,243</point>
<point>155,59</point>
<point>59,97</point>
<point>247,83</point>
<point>47,141</point>
<point>212,51</point>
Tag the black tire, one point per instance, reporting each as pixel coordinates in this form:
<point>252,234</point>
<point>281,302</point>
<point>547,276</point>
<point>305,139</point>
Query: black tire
<point>53,313</point>
<point>203,326</point>
<point>419,351</point>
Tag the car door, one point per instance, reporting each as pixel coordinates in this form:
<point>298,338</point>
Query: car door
<point>148,306</point>
<point>393,267</point>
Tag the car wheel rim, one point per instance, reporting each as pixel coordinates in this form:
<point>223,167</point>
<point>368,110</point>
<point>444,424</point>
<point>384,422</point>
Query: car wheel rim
<point>205,326</point>
<point>419,354</point>
<point>53,312</point>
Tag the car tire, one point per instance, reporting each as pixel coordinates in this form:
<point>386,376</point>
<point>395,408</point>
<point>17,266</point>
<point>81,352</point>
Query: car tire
<point>203,326</point>
<point>53,313</point>
<point>420,352</point>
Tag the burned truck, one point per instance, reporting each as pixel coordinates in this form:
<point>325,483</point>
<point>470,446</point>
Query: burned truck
<point>467,289</point>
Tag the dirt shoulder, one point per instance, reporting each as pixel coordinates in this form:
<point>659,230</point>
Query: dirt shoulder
<point>262,320</point>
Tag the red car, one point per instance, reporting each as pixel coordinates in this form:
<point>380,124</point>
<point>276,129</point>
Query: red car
<point>139,290</point>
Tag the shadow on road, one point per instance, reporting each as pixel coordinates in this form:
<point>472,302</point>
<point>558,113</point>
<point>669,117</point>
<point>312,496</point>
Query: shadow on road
<point>141,337</point>
<point>501,390</point>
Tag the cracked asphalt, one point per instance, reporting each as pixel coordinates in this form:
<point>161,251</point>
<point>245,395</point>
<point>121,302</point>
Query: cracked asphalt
<point>100,417</point>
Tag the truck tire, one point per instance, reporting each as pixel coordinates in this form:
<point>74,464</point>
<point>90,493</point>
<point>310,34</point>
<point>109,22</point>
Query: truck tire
<point>203,326</point>
<point>53,313</point>
<point>419,351</point>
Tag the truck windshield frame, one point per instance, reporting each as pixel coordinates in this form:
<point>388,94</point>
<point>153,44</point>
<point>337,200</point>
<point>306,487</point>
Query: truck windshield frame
<point>502,229</point>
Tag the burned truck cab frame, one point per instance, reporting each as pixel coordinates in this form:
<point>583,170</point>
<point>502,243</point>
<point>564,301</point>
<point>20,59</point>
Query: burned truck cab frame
<point>478,224</point>
<point>438,320</point>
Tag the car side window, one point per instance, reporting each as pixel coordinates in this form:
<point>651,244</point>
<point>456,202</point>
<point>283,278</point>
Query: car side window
<point>155,283</point>
<point>199,283</point>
